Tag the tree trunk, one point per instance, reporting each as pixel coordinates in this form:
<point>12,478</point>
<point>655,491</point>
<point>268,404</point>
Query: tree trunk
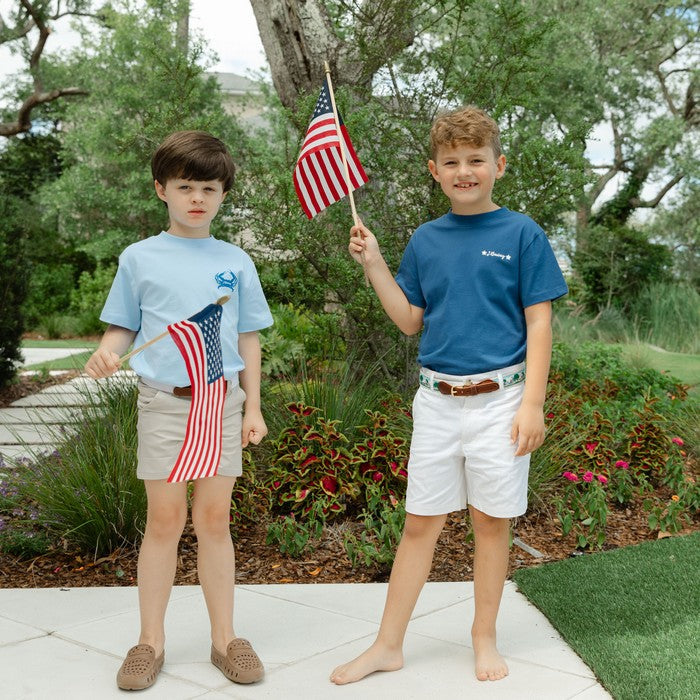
<point>298,37</point>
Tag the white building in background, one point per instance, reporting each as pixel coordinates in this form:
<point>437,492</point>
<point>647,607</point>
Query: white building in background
<point>242,97</point>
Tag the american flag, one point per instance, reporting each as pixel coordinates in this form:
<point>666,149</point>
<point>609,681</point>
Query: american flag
<point>199,340</point>
<point>319,176</point>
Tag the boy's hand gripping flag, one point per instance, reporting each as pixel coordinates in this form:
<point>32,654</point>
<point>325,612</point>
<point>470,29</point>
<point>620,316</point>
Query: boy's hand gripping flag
<point>319,176</point>
<point>198,339</point>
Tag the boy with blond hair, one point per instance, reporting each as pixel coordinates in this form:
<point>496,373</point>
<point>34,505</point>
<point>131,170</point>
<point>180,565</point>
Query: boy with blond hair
<point>479,282</point>
<point>161,280</point>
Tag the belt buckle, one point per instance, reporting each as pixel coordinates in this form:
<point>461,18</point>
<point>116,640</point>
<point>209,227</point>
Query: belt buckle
<point>469,382</point>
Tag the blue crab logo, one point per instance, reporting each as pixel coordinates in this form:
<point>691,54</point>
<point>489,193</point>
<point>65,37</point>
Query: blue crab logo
<point>226,280</point>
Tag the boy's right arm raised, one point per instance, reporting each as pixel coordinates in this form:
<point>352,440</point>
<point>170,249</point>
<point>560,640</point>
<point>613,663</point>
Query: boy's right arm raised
<point>105,360</point>
<point>406,316</point>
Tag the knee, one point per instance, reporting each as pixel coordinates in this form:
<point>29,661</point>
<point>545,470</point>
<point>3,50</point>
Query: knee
<point>166,521</point>
<point>422,527</point>
<point>211,521</point>
<point>488,526</point>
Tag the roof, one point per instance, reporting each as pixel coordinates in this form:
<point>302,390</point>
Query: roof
<point>235,84</point>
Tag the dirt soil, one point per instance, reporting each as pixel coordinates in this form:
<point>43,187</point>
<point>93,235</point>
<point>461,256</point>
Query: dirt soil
<point>258,562</point>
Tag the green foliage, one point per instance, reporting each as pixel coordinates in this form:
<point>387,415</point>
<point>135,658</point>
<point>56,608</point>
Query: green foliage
<point>311,468</point>
<point>88,297</point>
<point>668,315</point>
<point>142,87</point>
<point>616,264</point>
<point>293,536</point>
<point>296,338</point>
<point>87,492</point>
<point>50,288</point>
<point>381,534</point>
<point>13,286</point>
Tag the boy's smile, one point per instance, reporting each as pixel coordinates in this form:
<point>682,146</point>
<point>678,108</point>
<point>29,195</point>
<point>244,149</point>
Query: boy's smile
<point>192,204</point>
<point>467,175</point>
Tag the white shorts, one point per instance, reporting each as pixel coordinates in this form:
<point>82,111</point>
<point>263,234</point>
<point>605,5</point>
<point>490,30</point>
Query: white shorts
<point>461,451</point>
<point>162,422</point>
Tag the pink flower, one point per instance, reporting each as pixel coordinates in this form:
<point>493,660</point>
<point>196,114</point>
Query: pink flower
<point>570,476</point>
<point>677,441</point>
<point>588,477</point>
<point>621,464</point>
<point>602,479</point>
<point>590,447</point>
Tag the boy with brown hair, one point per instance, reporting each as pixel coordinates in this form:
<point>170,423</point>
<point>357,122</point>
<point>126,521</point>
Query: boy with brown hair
<point>479,282</point>
<point>160,281</point>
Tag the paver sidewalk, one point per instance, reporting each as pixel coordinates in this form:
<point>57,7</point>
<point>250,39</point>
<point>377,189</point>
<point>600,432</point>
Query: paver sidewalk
<point>69,643</point>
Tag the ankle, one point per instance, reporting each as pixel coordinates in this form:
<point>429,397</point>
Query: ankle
<point>154,640</point>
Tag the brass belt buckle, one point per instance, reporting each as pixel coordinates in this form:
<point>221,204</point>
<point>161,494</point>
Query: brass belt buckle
<point>469,382</point>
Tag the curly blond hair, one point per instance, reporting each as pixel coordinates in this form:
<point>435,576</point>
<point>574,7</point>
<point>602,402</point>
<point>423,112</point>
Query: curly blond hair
<point>467,125</point>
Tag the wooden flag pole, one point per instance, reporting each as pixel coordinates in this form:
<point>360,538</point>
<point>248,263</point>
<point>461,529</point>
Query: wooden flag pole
<point>341,146</point>
<point>121,360</point>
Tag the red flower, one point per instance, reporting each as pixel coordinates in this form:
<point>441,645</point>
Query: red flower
<point>550,415</point>
<point>588,477</point>
<point>678,441</point>
<point>602,479</point>
<point>570,476</point>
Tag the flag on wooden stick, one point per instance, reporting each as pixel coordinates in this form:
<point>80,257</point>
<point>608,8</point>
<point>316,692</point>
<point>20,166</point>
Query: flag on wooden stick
<point>319,175</point>
<point>199,340</point>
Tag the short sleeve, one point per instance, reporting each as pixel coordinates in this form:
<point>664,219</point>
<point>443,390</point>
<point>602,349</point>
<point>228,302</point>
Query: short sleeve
<point>253,311</point>
<point>541,278</point>
<point>123,305</point>
<point>407,277</point>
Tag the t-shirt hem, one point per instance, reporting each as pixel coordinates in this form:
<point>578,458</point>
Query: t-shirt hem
<point>546,296</point>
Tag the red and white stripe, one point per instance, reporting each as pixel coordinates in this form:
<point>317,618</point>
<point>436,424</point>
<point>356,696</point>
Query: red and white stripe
<point>201,450</point>
<point>319,175</point>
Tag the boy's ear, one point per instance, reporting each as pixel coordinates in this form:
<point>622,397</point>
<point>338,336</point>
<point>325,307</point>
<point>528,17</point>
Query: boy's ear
<point>500,166</point>
<point>433,169</point>
<point>160,190</point>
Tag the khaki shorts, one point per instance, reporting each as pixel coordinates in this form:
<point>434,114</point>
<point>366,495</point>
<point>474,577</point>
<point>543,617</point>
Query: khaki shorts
<point>461,451</point>
<point>161,430</point>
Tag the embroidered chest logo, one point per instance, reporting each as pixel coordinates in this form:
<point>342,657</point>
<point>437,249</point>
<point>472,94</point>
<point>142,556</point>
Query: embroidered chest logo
<point>494,254</point>
<point>226,280</point>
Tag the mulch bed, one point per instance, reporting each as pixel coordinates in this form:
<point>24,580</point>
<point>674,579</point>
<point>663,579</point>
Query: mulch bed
<point>258,562</point>
<point>26,384</point>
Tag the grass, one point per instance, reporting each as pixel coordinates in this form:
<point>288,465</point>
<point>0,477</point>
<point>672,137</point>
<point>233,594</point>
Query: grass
<point>76,361</point>
<point>632,614</point>
<point>87,490</point>
<point>684,366</point>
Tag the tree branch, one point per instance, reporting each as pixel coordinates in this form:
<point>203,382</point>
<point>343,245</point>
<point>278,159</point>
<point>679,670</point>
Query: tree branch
<point>35,19</point>
<point>23,122</point>
<point>651,203</point>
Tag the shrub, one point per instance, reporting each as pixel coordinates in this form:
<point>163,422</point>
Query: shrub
<point>50,286</point>
<point>87,492</point>
<point>13,288</point>
<point>311,467</point>
<point>88,298</point>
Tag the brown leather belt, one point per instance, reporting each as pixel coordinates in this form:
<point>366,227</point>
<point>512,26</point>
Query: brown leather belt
<point>185,392</point>
<point>483,387</point>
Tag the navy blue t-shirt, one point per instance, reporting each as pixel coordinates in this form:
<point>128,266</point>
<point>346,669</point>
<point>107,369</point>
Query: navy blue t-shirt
<point>474,275</point>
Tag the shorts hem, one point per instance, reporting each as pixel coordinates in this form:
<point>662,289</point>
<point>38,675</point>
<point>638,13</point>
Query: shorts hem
<point>496,513</point>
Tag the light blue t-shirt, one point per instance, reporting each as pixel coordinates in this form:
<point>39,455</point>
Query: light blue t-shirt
<point>474,275</point>
<point>166,278</point>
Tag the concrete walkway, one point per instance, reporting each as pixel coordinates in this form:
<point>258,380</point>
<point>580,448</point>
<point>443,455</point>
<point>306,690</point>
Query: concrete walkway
<point>69,643</point>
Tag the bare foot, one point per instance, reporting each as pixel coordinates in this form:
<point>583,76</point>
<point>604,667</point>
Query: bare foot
<point>376,658</point>
<point>489,664</point>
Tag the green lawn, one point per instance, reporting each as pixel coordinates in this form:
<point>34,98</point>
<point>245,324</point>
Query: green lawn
<point>632,614</point>
<point>62,343</point>
<point>76,361</point>
<point>684,366</point>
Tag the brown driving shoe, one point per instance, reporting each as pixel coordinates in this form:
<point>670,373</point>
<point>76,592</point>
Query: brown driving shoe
<point>140,668</point>
<point>241,664</point>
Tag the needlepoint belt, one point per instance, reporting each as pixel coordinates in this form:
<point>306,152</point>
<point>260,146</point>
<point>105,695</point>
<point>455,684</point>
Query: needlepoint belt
<point>470,388</point>
<point>186,391</point>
